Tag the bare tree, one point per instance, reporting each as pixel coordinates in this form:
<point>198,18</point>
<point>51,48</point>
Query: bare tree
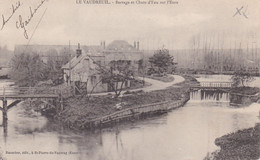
<point>241,77</point>
<point>28,69</point>
<point>117,74</point>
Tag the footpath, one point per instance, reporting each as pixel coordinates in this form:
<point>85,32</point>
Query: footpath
<point>155,85</point>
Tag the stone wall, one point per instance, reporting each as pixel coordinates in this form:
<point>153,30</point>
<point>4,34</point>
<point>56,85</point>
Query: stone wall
<point>242,99</point>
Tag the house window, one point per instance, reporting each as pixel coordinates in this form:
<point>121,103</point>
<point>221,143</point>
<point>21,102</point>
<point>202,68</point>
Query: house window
<point>93,79</point>
<point>98,62</point>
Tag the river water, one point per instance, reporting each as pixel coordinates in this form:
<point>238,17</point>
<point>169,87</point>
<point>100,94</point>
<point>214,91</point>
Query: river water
<point>187,133</point>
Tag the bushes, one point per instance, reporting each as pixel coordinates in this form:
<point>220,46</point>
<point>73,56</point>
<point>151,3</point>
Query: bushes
<point>243,144</point>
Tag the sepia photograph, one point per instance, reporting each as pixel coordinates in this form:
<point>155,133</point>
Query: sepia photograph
<point>129,80</point>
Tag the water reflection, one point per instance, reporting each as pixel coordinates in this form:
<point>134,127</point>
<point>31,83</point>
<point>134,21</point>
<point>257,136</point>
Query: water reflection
<point>186,133</point>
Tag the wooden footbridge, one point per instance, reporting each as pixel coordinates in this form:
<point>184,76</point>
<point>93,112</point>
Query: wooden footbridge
<point>18,94</point>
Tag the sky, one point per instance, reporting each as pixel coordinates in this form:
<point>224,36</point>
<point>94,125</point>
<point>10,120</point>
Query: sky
<point>173,26</point>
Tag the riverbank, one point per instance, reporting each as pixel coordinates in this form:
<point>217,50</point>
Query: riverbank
<point>243,144</point>
<point>246,90</point>
<point>4,73</point>
<point>79,111</point>
<point>244,96</point>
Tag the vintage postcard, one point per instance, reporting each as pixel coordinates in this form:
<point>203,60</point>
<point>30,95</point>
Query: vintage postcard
<point>129,79</point>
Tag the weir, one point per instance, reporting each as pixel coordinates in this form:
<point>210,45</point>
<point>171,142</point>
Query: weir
<point>209,95</point>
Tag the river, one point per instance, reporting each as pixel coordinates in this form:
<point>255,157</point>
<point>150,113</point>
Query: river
<point>187,133</point>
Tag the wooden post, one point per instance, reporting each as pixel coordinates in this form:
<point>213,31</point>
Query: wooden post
<point>4,110</point>
<point>61,101</point>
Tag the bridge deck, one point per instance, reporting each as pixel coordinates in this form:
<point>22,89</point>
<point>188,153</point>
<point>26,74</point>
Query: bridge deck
<point>28,92</point>
<point>30,96</point>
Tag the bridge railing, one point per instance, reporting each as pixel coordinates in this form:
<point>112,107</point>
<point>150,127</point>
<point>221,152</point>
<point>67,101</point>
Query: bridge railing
<point>216,84</point>
<point>27,90</point>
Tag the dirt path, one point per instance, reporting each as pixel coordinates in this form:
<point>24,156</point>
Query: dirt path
<point>155,85</point>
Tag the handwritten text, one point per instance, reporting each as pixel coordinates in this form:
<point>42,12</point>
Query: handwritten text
<point>22,24</point>
<point>14,9</point>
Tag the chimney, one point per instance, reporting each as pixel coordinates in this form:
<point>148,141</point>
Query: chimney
<point>104,44</point>
<point>134,44</point>
<point>78,51</point>
<point>137,45</point>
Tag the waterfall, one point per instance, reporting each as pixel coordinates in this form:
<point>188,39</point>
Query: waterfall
<point>209,95</point>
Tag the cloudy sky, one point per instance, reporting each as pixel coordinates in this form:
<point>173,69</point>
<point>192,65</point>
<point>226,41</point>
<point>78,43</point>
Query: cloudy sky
<point>172,25</point>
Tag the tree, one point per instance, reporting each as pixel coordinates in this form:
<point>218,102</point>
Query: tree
<point>55,62</point>
<point>5,56</point>
<point>117,74</point>
<point>241,77</point>
<point>28,69</point>
<point>161,63</point>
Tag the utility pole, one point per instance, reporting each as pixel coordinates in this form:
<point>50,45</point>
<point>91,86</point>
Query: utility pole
<point>69,80</point>
<point>143,68</point>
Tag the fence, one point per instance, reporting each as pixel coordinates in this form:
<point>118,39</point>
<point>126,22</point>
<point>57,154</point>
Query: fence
<point>216,84</point>
<point>161,107</point>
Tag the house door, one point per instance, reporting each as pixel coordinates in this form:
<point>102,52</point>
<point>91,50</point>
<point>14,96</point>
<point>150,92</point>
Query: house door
<point>109,88</point>
<point>77,87</point>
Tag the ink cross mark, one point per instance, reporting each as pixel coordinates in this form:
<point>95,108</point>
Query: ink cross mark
<point>241,11</point>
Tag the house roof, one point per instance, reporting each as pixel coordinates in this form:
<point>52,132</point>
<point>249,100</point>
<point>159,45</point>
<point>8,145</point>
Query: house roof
<point>73,62</point>
<point>76,60</point>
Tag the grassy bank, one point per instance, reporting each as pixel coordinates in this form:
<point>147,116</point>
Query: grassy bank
<point>80,110</point>
<point>243,145</point>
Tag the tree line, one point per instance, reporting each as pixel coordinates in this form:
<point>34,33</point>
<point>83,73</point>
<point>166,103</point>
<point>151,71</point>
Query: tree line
<point>29,68</point>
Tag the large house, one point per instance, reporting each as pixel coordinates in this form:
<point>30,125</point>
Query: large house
<point>84,67</point>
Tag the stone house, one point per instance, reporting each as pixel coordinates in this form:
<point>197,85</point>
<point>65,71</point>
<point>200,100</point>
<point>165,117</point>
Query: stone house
<point>84,67</point>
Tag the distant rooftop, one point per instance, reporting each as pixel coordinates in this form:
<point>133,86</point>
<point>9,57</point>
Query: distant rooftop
<point>120,45</point>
